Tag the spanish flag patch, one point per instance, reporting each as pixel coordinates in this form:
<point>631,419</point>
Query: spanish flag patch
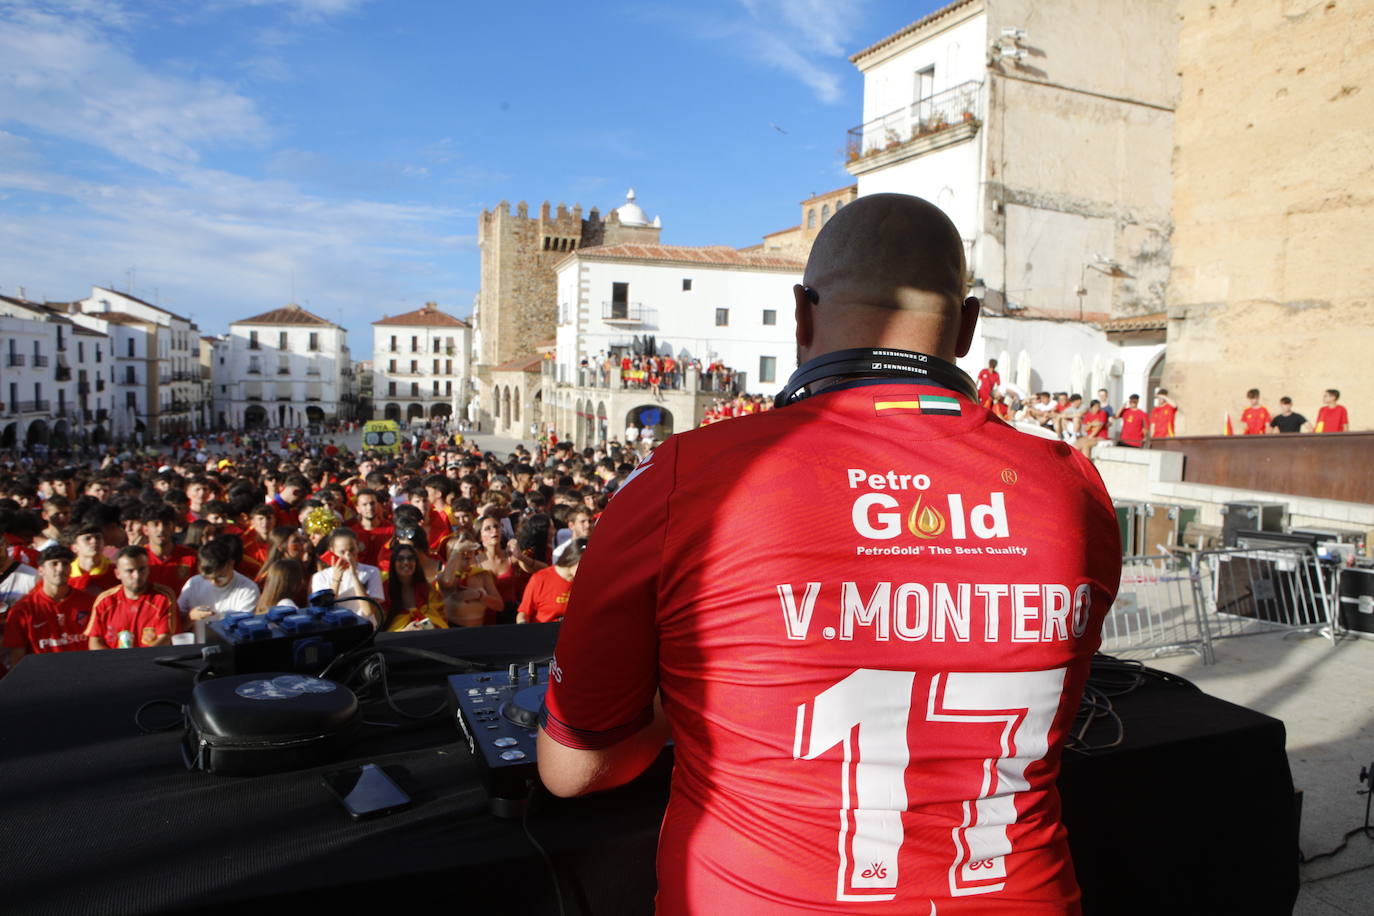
<point>922,403</point>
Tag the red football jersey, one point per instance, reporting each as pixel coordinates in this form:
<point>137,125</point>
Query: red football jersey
<point>1162,421</point>
<point>172,571</point>
<point>95,580</point>
<point>1332,419</point>
<point>372,544</point>
<point>870,616</point>
<point>546,596</point>
<point>1255,419</point>
<point>38,623</point>
<point>1133,425</point>
<point>148,616</point>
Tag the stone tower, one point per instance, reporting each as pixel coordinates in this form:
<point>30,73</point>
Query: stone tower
<point>517,305</point>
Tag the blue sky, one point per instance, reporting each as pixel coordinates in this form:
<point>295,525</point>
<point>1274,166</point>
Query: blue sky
<point>214,155</point>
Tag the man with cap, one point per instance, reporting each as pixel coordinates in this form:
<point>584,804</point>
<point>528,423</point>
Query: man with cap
<point>54,616</point>
<point>872,716</point>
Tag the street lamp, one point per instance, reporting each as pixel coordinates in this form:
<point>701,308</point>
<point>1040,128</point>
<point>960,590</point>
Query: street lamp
<point>1104,265</point>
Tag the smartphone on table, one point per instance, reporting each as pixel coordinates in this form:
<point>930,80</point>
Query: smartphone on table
<point>366,791</point>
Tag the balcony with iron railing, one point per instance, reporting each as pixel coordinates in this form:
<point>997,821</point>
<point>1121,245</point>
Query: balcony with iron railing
<point>255,370</point>
<point>16,359</point>
<point>41,362</point>
<point>32,406</point>
<point>628,314</point>
<point>63,373</point>
<point>931,123</point>
<point>312,370</point>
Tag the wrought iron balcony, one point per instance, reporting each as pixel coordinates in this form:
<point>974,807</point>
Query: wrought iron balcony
<point>17,359</point>
<point>41,362</point>
<point>942,111</point>
<point>63,373</point>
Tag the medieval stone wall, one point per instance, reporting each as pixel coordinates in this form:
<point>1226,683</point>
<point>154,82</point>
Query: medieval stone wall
<point>1273,206</point>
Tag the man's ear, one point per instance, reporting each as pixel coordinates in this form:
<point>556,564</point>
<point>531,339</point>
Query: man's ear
<point>806,327</point>
<point>968,323</point>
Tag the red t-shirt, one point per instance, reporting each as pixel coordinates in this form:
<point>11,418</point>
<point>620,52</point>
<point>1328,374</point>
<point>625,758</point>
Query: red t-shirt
<point>372,543</point>
<point>95,580</point>
<point>38,623</point>
<point>1162,421</point>
<point>871,714</point>
<point>148,616</point>
<point>1133,425</point>
<point>1332,419</point>
<point>988,379</point>
<point>546,596</point>
<point>1096,416</point>
<point>174,569</point>
<point>1255,419</point>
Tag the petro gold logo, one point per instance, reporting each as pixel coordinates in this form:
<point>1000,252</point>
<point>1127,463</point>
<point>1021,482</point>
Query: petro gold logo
<point>925,522</point>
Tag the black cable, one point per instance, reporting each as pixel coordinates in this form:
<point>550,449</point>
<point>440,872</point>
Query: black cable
<point>1366,829</point>
<point>154,729</point>
<point>548,861</point>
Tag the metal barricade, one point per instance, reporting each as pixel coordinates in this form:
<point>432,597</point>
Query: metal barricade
<point>1243,591</point>
<point>1156,611</point>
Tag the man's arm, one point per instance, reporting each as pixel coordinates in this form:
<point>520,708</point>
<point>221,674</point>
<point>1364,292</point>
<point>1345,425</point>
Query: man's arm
<point>567,771</point>
<point>601,725</point>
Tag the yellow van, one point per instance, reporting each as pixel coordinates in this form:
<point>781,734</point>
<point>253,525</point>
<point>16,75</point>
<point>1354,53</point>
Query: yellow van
<point>382,436</point>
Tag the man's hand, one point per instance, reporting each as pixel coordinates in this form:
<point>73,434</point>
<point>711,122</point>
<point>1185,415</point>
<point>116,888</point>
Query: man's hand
<point>201,613</point>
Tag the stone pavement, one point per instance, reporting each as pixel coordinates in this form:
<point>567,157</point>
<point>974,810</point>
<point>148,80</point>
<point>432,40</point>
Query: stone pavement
<point>1324,694</point>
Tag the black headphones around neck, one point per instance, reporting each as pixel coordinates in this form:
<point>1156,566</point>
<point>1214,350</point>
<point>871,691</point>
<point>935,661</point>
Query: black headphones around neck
<point>862,362</point>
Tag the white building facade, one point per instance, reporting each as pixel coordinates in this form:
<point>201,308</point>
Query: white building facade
<point>1024,123</point>
<point>47,385</point>
<point>166,367</point>
<point>421,365</point>
<point>713,304</point>
<point>284,368</point>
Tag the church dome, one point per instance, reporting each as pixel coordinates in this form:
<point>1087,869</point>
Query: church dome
<point>631,214</point>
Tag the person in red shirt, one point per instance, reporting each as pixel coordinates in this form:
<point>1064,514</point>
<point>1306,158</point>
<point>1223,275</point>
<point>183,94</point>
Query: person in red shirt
<point>1331,417</point>
<point>1094,421</point>
<point>54,616</point>
<point>373,535</point>
<point>261,520</point>
<point>1133,421</point>
<point>988,380</point>
<point>1255,418</point>
<point>867,716</point>
<point>91,572</point>
<point>287,502</point>
<point>546,596</point>
<point>137,611</point>
<point>169,564</point>
<point>1162,416</point>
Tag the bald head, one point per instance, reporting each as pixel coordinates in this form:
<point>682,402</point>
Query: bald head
<point>889,251</point>
<point>887,271</point>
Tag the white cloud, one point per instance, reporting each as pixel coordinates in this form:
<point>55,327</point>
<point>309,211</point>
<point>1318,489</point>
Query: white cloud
<point>66,76</point>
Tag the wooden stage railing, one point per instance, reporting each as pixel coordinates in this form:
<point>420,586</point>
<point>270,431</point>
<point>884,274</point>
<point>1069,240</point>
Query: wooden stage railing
<point>1319,465</point>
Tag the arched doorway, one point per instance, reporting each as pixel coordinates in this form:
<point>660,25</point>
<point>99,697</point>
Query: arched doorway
<point>602,428</point>
<point>38,433</point>
<point>654,416</point>
<point>415,411</point>
<point>60,437</point>
<point>392,412</point>
<point>1154,378</point>
<point>314,415</point>
<point>441,410</point>
<point>9,435</point>
<point>254,417</point>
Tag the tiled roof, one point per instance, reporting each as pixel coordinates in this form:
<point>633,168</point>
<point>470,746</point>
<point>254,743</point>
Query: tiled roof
<point>430,316</point>
<point>133,298</point>
<point>1155,321</point>
<point>848,187</point>
<point>682,254</point>
<point>899,35</point>
<point>290,314</point>
<point>120,318</point>
<point>528,363</point>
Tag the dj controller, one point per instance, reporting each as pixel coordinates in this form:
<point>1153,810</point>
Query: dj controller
<point>498,713</point>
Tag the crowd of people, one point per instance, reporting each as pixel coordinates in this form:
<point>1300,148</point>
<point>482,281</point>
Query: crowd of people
<point>146,550</point>
<point>1066,416</point>
<point>656,374</point>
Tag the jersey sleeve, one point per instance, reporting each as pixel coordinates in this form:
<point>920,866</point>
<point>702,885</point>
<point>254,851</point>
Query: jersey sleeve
<point>16,627</point>
<point>605,672</point>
